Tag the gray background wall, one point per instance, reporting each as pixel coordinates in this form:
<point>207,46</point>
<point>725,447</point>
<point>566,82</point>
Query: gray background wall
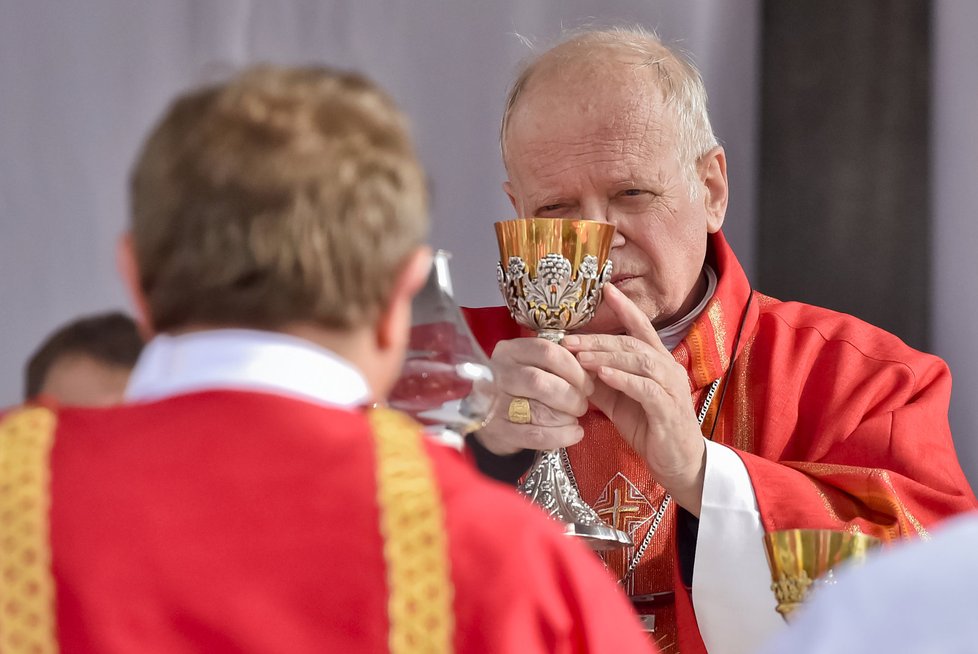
<point>80,83</point>
<point>954,184</point>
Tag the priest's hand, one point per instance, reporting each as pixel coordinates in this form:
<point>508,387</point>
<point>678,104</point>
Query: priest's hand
<point>553,382</point>
<point>645,393</point>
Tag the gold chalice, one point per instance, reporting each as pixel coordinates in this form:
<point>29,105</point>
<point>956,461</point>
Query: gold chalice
<point>803,559</point>
<point>551,273</point>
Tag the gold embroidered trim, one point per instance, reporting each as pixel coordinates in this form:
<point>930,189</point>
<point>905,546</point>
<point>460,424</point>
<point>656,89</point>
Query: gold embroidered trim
<point>715,312</point>
<point>743,437</point>
<point>826,502</point>
<point>905,519</point>
<point>919,528</point>
<point>420,593</point>
<point>27,619</point>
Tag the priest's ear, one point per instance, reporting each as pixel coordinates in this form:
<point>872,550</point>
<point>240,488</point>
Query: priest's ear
<point>712,171</point>
<point>394,323</point>
<point>128,266</point>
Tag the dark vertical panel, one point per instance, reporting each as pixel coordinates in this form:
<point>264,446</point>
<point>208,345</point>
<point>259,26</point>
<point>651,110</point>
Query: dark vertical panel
<point>844,209</point>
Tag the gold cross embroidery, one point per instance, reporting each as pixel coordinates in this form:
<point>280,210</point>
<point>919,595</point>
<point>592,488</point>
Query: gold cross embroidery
<point>616,509</point>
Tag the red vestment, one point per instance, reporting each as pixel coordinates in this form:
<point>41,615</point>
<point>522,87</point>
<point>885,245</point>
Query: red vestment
<point>840,425</point>
<point>242,521</point>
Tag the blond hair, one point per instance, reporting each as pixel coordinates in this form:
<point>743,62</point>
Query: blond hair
<point>678,81</point>
<point>281,195</point>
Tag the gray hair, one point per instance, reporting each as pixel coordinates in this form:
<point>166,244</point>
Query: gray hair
<point>679,82</point>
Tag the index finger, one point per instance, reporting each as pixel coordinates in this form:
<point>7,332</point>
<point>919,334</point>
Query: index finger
<point>636,323</point>
<point>546,356</point>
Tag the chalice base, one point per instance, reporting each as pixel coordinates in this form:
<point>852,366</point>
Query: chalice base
<point>549,487</point>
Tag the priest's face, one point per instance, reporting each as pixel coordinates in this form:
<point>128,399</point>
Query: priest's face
<point>605,148</point>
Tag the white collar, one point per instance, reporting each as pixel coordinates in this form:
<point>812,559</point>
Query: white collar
<point>674,334</point>
<point>244,359</point>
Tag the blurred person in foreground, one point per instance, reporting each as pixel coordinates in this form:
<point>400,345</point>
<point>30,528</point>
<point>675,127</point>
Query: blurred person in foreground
<point>243,499</point>
<point>917,598</point>
<point>813,418</point>
<point>85,362</point>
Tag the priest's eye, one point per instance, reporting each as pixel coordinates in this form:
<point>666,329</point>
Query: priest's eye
<point>551,209</point>
<point>631,192</point>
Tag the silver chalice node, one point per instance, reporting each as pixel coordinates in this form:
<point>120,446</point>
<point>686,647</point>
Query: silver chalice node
<point>551,273</point>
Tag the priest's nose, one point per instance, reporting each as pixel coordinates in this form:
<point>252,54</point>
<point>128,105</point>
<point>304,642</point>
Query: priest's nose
<point>602,213</point>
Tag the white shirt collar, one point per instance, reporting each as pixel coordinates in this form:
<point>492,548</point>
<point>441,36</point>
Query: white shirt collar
<point>674,334</point>
<point>243,359</point>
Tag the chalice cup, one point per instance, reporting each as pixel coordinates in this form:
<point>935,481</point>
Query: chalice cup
<point>802,561</point>
<point>551,274</point>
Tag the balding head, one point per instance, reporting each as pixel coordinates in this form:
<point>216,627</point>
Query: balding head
<point>586,64</point>
<point>612,126</point>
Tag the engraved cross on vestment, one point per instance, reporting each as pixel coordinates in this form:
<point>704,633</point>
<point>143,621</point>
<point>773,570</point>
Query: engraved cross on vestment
<point>622,505</point>
<point>616,509</point>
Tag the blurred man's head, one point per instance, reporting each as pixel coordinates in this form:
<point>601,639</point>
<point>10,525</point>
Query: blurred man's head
<point>287,200</point>
<point>86,362</point>
<point>612,126</point>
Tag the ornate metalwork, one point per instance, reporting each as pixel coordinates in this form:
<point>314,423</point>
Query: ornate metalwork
<point>549,487</point>
<point>552,490</point>
<point>790,591</point>
<point>552,295</point>
<point>555,301</point>
<point>802,560</point>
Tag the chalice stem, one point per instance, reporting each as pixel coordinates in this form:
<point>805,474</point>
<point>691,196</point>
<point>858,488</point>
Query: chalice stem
<point>548,485</point>
<point>552,335</point>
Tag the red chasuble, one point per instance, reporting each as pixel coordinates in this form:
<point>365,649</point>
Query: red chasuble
<point>228,521</point>
<point>840,425</point>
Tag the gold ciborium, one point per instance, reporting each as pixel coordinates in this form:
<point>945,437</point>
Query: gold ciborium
<point>551,273</point>
<point>801,560</point>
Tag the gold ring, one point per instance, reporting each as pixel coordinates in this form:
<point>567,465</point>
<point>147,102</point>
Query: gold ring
<point>519,411</point>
